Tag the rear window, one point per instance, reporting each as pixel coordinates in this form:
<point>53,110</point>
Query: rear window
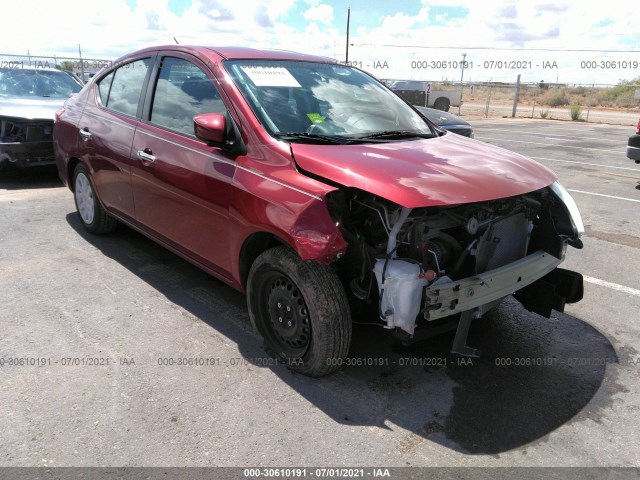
<point>120,90</point>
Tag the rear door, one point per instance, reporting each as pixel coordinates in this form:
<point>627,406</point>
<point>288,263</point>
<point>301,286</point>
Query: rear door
<point>106,131</point>
<point>181,185</point>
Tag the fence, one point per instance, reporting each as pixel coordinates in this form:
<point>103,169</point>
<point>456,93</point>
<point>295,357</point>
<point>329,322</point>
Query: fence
<point>600,103</point>
<point>83,67</point>
<point>618,104</point>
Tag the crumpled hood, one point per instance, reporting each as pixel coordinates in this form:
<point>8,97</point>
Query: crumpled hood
<point>31,108</point>
<point>445,170</point>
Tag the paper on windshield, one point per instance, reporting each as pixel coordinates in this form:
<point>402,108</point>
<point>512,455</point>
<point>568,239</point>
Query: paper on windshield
<point>271,77</point>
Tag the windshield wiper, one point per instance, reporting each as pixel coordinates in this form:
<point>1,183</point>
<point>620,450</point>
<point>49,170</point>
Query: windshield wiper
<point>397,134</point>
<point>313,137</point>
<point>378,137</point>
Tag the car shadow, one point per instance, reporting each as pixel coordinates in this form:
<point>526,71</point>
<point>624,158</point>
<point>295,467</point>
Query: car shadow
<point>534,375</point>
<point>45,176</point>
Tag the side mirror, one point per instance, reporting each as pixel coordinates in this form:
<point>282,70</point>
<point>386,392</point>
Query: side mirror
<point>211,127</point>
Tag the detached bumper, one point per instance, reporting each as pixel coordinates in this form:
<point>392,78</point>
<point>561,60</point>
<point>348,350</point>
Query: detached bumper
<point>445,297</point>
<point>26,154</point>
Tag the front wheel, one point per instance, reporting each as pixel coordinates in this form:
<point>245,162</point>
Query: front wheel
<point>94,218</point>
<point>300,310</point>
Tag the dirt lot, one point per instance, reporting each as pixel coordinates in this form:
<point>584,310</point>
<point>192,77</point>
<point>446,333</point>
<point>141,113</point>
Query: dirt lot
<point>533,103</point>
<point>116,352</point>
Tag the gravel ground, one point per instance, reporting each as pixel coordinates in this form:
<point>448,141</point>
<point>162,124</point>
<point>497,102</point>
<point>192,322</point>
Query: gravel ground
<point>98,320</point>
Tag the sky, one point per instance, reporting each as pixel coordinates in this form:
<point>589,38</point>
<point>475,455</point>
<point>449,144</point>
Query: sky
<point>567,41</point>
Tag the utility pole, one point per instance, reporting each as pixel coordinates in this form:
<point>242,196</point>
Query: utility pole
<point>81,63</point>
<point>516,97</point>
<point>589,103</point>
<point>464,55</point>
<point>346,59</point>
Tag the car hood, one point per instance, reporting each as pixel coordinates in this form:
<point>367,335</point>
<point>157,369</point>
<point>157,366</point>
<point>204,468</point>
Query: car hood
<point>446,170</point>
<point>441,118</point>
<point>31,108</point>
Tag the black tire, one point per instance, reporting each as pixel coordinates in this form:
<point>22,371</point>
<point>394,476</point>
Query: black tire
<point>300,310</point>
<point>442,103</point>
<point>95,220</point>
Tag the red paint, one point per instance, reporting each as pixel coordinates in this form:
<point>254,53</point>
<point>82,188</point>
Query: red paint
<point>426,172</point>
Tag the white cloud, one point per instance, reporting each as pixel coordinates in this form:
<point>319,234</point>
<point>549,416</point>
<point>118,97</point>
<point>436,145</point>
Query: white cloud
<point>511,29</point>
<point>400,22</point>
<point>445,3</point>
<point>321,13</point>
<point>109,28</point>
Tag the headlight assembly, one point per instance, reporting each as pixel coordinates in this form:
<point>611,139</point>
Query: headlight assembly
<point>572,209</point>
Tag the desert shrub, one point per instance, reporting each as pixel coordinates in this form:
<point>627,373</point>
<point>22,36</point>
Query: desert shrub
<point>556,97</point>
<point>626,100</point>
<point>609,95</point>
<point>576,112</point>
<point>544,114</point>
<point>582,91</point>
<point>622,95</point>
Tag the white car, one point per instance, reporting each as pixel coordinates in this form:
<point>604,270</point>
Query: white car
<point>29,99</point>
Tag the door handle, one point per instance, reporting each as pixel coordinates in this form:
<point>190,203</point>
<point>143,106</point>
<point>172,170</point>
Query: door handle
<point>147,157</point>
<point>85,134</point>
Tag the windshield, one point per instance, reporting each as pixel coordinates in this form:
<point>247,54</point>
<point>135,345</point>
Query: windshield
<point>15,82</point>
<point>321,100</point>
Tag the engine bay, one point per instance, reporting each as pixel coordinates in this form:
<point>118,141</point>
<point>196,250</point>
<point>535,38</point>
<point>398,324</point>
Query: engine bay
<point>399,259</point>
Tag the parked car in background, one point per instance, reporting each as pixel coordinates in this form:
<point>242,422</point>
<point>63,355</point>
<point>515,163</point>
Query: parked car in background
<point>318,192</point>
<point>29,98</point>
<point>633,145</point>
<point>446,120</point>
<point>421,93</point>
<point>87,76</point>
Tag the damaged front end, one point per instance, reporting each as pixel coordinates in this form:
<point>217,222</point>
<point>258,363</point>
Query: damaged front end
<point>417,266</point>
<point>26,142</point>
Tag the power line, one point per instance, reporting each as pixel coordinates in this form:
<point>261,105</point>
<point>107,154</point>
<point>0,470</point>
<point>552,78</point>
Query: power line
<point>495,48</point>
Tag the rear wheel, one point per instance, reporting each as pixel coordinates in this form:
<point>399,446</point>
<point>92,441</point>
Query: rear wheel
<point>94,218</point>
<point>300,310</point>
<point>442,103</point>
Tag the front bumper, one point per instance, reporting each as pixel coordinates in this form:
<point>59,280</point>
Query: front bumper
<point>446,297</point>
<point>26,154</point>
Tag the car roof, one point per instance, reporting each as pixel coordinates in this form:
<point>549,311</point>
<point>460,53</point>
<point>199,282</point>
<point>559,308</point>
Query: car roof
<point>238,53</point>
<point>253,53</point>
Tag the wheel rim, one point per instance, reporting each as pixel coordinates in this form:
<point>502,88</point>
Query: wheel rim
<point>287,322</point>
<point>84,198</point>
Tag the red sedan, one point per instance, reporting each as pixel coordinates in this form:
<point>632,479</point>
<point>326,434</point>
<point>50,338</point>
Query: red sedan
<point>313,188</point>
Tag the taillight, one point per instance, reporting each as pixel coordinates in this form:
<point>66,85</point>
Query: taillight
<point>638,128</point>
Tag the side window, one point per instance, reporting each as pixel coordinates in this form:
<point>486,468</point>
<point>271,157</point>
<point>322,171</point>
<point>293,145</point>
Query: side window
<point>124,93</point>
<point>103,88</point>
<point>183,90</point>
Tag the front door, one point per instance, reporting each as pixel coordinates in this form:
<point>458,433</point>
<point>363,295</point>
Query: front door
<point>182,186</point>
